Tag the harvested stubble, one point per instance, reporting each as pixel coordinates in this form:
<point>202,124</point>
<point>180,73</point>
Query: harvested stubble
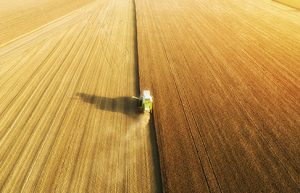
<point>67,122</point>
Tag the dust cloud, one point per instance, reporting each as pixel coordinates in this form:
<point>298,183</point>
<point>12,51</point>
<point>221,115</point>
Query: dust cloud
<point>130,151</point>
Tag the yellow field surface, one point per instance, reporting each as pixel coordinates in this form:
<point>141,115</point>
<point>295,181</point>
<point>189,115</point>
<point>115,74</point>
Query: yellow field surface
<point>225,75</point>
<point>225,78</point>
<point>22,16</point>
<point>67,120</point>
<point>292,3</point>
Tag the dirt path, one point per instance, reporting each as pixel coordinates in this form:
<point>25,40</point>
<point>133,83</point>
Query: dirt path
<point>67,122</point>
<point>225,78</point>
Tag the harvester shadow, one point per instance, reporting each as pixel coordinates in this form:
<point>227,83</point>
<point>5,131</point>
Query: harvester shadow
<point>125,105</point>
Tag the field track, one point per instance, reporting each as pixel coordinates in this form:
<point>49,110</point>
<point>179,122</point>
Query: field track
<point>291,3</point>
<point>225,77</point>
<point>67,120</point>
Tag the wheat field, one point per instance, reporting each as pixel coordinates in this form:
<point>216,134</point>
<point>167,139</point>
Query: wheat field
<point>67,120</point>
<point>224,75</point>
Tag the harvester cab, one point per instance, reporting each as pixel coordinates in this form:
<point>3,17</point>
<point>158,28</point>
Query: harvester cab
<point>145,101</point>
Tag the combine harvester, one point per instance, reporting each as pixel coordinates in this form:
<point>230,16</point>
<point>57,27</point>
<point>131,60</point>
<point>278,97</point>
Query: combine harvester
<point>145,101</point>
